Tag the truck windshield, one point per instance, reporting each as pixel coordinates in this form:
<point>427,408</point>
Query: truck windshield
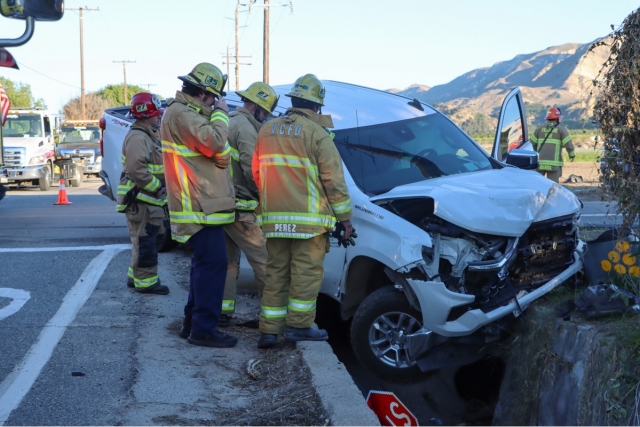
<point>23,125</point>
<point>79,134</point>
<point>382,157</point>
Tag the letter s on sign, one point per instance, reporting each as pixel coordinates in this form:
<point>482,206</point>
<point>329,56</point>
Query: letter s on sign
<point>399,416</point>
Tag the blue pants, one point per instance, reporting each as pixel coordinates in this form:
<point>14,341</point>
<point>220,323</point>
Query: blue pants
<point>208,274</point>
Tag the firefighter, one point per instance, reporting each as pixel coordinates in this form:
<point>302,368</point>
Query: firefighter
<point>259,101</point>
<point>549,140</point>
<point>200,194</point>
<point>142,194</point>
<point>299,175</point>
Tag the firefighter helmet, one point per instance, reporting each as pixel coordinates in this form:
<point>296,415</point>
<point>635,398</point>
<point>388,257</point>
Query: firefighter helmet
<point>553,113</point>
<point>145,105</point>
<point>262,95</point>
<point>308,87</point>
<point>207,77</point>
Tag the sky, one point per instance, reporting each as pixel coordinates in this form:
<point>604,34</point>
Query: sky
<point>380,44</point>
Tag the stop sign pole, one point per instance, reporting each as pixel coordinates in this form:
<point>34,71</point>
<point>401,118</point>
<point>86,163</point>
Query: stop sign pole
<point>389,409</point>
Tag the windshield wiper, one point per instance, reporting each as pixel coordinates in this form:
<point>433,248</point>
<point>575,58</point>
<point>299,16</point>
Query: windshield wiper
<point>427,168</point>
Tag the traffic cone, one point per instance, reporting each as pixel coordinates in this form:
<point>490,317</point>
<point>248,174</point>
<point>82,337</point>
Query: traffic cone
<point>62,194</point>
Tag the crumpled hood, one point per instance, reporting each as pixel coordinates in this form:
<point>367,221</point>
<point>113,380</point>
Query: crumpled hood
<point>503,202</point>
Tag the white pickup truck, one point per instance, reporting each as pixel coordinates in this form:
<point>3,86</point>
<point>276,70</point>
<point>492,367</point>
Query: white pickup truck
<point>453,242</point>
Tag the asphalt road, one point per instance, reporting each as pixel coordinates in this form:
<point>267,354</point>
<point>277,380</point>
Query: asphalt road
<point>76,346</point>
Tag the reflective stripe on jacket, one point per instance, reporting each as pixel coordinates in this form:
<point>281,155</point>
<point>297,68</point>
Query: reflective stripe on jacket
<point>196,157</point>
<point>550,154</point>
<point>141,165</point>
<point>299,174</point>
<point>243,132</point>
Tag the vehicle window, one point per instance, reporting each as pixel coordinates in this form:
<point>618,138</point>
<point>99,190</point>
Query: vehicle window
<point>511,134</point>
<point>79,134</point>
<point>385,156</point>
<point>22,125</point>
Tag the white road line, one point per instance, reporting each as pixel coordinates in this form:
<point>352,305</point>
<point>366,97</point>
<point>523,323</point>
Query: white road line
<point>18,296</point>
<point>19,382</point>
<point>69,248</point>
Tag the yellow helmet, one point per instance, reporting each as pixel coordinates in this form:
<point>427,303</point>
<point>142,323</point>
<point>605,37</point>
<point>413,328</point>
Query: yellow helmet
<point>262,94</point>
<point>308,87</point>
<point>207,77</point>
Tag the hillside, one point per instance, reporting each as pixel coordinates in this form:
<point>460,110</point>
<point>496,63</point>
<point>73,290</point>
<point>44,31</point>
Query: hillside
<point>559,75</point>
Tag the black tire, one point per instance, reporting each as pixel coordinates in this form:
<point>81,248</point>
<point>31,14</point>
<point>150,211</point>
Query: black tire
<point>3,191</point>
<point>45,182</point>
<point>164,242</point>
<point>380,323</point>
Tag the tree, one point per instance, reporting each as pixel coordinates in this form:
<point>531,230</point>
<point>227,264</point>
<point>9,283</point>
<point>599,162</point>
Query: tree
<point>616,112</point>
<point>535,109</point>
<point>115,93</point>
<point>20,94</point>
<point>95,106</point>
<point>478,125</point>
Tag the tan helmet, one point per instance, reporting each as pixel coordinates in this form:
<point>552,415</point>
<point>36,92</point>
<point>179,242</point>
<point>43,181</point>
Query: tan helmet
<point>262,94</point>
<point>308,87</point>
<point>207,77</point>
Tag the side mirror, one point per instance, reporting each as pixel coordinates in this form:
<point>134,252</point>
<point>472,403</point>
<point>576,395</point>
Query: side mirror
<point>40,10</point>
<point>30,11</point>
<point>522,159</point>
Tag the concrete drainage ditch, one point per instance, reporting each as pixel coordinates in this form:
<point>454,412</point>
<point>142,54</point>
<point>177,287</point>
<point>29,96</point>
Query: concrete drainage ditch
<point>451,396</point>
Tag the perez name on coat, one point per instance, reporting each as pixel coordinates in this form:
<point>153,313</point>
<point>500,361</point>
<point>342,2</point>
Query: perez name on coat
<point>286,228</point>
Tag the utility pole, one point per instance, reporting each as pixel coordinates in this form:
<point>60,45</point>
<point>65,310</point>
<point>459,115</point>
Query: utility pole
<point>82,100</point>
<point>237,62</point>
<point>124,69</point>
<point>148,85</point>
<point>265,37</point>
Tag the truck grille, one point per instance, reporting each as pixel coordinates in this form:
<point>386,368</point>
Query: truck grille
<point>545,250</point>
<point>14,157</point>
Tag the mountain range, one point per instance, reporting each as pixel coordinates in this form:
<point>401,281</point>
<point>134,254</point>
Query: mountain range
<point>556,76</point>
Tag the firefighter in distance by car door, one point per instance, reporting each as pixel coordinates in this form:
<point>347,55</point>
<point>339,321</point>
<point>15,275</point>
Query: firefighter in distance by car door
<point>142,193</point>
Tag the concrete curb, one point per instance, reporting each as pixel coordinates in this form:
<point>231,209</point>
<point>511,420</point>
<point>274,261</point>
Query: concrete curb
<point>340,397</point>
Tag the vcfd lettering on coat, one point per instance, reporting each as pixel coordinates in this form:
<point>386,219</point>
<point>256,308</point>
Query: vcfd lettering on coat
<point>286,228</point>
<point>283,129</point>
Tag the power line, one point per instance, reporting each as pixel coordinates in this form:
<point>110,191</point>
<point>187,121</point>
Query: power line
<point>22,64</point>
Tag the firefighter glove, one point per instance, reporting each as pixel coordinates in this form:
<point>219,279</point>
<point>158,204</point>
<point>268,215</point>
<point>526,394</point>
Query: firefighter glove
<point>338,233</point>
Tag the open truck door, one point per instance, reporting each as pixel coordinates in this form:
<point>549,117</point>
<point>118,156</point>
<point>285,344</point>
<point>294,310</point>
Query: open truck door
<point>511,144</point>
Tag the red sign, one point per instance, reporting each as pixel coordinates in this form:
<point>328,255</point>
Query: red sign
<point>7,60</point>
<point>389,409</point>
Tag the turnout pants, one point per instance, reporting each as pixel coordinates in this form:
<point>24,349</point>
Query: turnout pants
<point>208,272</point>
<point>144,227</point>
<point>554,174</point>
<point>294,278</point>
<point>244,235</point>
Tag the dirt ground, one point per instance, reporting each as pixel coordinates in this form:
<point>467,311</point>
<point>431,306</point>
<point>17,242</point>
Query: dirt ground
<point>587,187</point>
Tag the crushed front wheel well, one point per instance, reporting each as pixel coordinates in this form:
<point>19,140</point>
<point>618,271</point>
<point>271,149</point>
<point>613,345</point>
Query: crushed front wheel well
<point>365,275</point>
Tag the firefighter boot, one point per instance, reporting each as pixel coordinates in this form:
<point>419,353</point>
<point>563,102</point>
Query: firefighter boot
<point>305,334</point>
<point>157,289</point>
<point>267,340</point>
<point>186,327</point>
<point>225,321</point>
<point>130,283</point>
<point>216,339</point>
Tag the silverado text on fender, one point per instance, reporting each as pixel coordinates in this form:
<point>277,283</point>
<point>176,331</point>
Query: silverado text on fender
<point>453,243</point>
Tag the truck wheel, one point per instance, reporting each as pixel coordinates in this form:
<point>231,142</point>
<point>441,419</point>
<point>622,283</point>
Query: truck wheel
<point>164,242</point>
<point>3,191</point>
<point>378,334</point>
<point>45,181</point>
